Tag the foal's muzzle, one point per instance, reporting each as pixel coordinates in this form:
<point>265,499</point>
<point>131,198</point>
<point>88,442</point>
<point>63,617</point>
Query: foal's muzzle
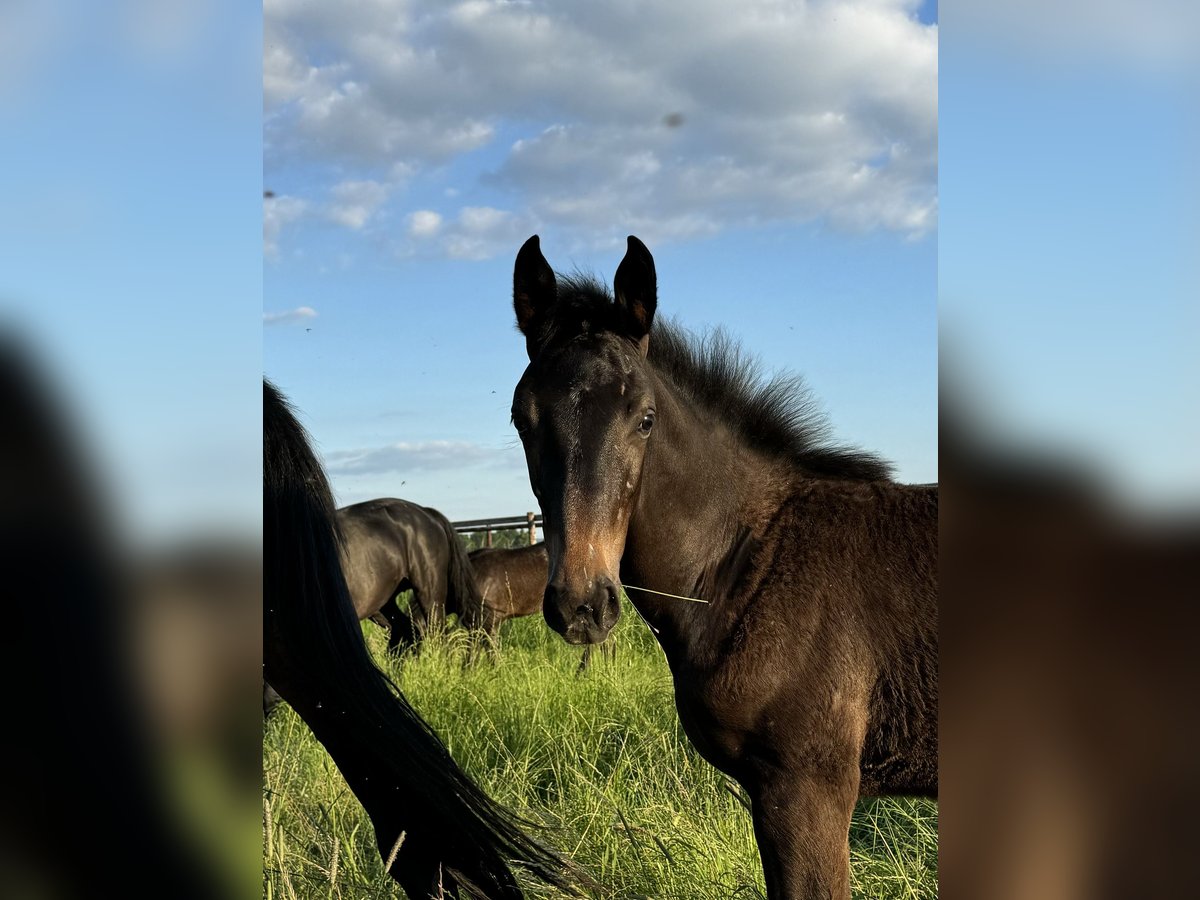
<point>585,617</point>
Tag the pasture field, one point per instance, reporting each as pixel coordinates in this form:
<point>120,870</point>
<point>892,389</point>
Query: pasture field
<point>600,761</point>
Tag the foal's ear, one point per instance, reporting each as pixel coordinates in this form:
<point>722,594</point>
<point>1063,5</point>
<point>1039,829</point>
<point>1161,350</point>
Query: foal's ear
<point>636,289</point>
<point>534,288</point>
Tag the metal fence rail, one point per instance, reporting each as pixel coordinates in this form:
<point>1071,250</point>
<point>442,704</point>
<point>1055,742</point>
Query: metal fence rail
<point>501,523</point>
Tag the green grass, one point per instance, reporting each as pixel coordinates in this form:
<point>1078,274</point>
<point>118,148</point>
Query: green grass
<point>600,760</point>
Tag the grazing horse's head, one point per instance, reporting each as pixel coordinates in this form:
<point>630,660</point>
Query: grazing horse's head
<point>585,411</point>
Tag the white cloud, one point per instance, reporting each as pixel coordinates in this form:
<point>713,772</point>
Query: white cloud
<point>477,232</point>
<point>291,317</point>
<point>424,223</point>
<point>630,117</point>
<point>354,202</point>
<point>408,457</point>
<point>278,213</point>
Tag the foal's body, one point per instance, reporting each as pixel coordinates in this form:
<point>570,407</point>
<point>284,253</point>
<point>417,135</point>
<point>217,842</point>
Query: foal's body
<point>809,672</point>
<point>795,679</point>
<point>823,581</point>
<point>810,675</point>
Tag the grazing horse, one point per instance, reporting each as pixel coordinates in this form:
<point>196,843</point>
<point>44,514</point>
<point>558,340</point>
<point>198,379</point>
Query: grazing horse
<point>389,546</point>
<point>439,834</point>
<point>394,545</point>
<point>807,668</point>
<point>511,583</point>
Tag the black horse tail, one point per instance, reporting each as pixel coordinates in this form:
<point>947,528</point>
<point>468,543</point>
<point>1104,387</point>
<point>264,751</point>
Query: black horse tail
<point>462,592</point>
<point>438,833</point>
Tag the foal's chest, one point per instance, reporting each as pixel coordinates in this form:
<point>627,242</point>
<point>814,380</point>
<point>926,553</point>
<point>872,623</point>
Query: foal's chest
<point>720,711</point>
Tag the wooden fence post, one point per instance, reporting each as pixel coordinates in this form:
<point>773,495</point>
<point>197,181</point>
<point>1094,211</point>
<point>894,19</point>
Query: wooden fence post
<point>487,537</point>
<point>532,529</point>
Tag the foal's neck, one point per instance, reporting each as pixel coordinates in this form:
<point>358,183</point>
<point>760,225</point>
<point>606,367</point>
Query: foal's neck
<point>703,500</point>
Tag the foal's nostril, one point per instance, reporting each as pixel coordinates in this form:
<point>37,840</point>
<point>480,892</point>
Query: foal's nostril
<point>587,611</point>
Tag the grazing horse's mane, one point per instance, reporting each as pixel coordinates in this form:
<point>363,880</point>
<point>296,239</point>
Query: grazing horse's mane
<point>777,416</point>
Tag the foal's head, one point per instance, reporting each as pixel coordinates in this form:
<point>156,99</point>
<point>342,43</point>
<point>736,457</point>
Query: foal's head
<point>585,411</point>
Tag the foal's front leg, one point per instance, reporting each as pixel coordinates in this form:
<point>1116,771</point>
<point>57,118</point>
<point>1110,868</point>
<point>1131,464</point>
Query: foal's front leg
<point>802,824</point>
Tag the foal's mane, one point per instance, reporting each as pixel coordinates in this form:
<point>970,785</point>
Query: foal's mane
<point>776,415</point>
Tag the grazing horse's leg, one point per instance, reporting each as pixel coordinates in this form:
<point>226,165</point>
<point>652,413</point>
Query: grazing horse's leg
<point>428,606</point>
<point>801,824</point>
<point>402,632</point>
<point>418,614</point>
<point>433,602</point>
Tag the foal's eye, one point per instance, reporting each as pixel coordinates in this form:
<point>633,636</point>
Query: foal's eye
<point>646,424</point>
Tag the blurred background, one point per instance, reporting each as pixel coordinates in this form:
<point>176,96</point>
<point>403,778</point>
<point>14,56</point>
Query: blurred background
<point>131,249</point>
<point>130,365</point>
<point>1070,459</point>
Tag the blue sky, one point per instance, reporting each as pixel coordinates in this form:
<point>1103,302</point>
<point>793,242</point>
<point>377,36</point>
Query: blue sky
<point>132,248</point>
<point>130,245</point>
<point>1068,271</point>
<point>410,155</point>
